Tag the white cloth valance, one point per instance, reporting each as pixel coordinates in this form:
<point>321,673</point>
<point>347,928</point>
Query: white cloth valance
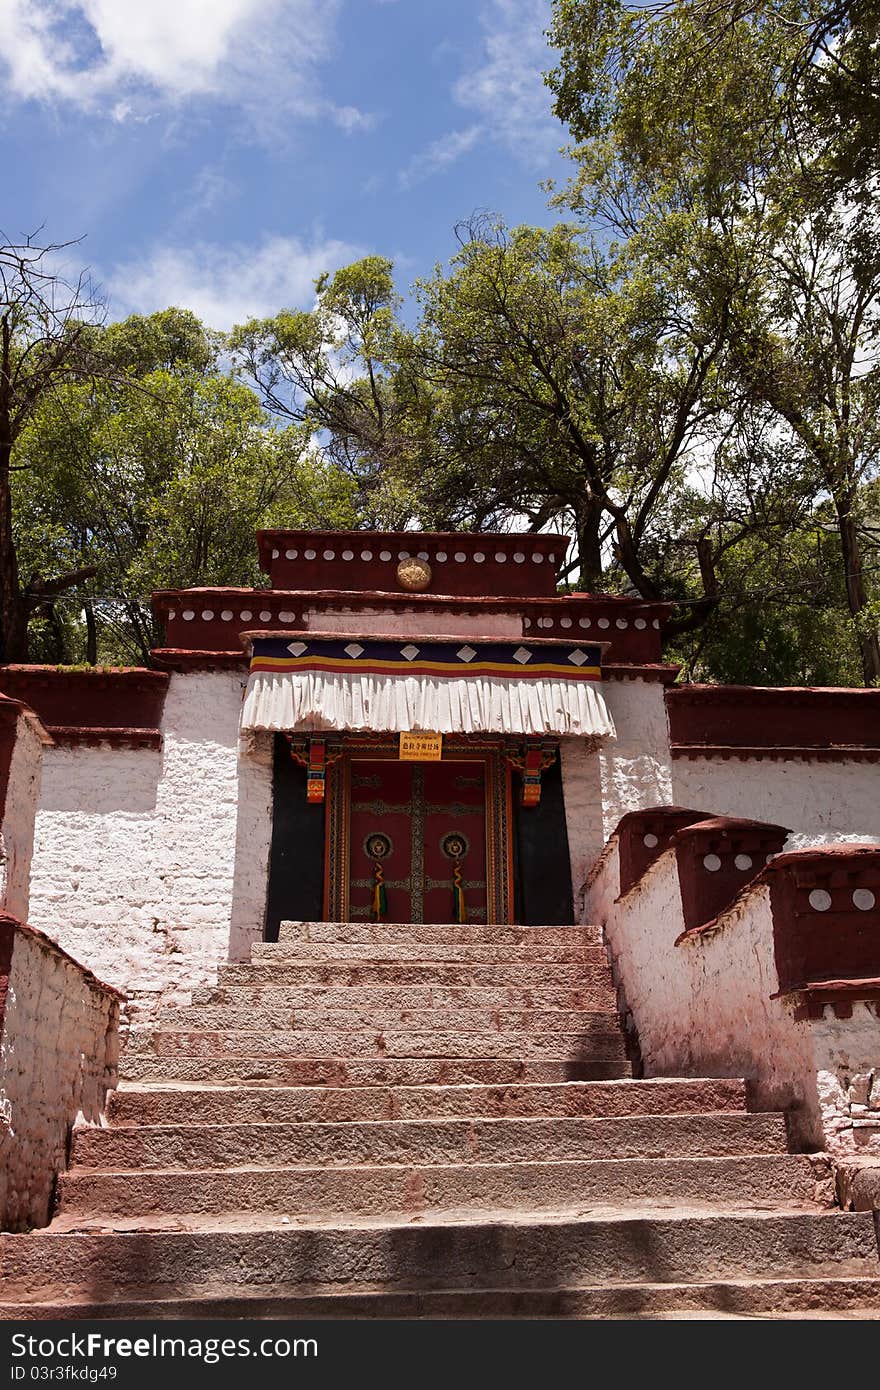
<point>299,701</point>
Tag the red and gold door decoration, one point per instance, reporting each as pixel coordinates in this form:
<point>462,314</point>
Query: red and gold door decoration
<point>419,842</point>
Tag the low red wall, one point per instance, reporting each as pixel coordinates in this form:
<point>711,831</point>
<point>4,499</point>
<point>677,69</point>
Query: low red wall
<point>718,719</point>
<point>121,705</point>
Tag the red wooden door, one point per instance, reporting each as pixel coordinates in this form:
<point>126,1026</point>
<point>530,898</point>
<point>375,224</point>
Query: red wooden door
<point>419,821</point>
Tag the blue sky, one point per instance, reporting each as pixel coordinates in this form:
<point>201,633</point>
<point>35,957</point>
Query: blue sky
<point>220,154</point>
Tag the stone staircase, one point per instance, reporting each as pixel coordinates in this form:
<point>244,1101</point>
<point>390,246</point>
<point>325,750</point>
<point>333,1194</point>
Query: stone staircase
<point>422,1121</point>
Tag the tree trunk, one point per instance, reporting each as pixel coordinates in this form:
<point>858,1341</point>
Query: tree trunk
<point>13,604</point>
<point>856,594</point>
<point>91,634</point>
<point>589,549</point>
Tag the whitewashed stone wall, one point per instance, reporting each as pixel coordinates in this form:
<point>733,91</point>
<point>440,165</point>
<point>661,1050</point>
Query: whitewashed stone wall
<point>705,1008</point>
<point>58,1056</point>
<point>582,794</point>
<point>635,768</point>
<point>18,816</point>
<point>151,866</point>
<point>822,802</point>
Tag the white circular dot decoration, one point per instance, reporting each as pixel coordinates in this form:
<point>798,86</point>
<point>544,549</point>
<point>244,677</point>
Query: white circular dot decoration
<point>820,900</point>
<point>207,614</point>
<point>537,558</point>
<point>479,557</point>
<point>584,622</point>
<point>712,863</point>
<point>501,557</point>
<point>743,861</point>
<point>459,557</point>
<point>329,554</point>
<point>527,622</point>
<point>246,615</point>
<point>265,617</point>
<point>286,617</point>
<point>366,554</point>
<point>423,555</point>
<point>274,554</point>
<point>863,899</point>
<point>403,555</point>
<point>291,554</point>
<point>767,858</point>
<point>650,841</point>
<point>310,554</point>
<point>640,624</point>
<point>622,623</point>
<point>518,557</point>
<point>226,615</point>
<point>551,559</point>
<point>188,615</point>
<point>441,557</point>
<point>348,554</point>
<point>384,554</point>
<point>657,623</point>
<point>604,622</point>
<point>172,613</point>
<point>565,622</point>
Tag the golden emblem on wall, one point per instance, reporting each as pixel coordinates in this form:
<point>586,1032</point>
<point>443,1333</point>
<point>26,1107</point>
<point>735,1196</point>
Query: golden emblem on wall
<point>413,574</point>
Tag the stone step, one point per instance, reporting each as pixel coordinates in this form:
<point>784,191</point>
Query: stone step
<point>340,1104</point>
<point>562,1252</point>
<point>463,974</point>
<point>426,952</point>
<point>319,1018</point>
<point>455,1141</point>
<point>602,1042</point>
<point>381,1193</point>
<point>459,934</point>
<point>591,997</point>
<point>805,1298</point>
<point>345,1072</point>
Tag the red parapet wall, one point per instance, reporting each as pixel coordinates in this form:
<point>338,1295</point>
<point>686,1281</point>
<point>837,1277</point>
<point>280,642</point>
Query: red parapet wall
<point>716,859</point>
<point>461,563</point>
<point>642,836</point>
<point>212,621</point>
<point>757,721</point>
<point>120,705</point>
<point>826,916</point>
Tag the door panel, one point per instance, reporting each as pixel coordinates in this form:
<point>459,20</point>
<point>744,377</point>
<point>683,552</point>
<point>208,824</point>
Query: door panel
<point>410,817</point>
<point>455,808</point>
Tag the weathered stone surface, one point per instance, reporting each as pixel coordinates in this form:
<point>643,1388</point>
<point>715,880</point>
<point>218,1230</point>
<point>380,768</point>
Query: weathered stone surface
<point>58,1055</point>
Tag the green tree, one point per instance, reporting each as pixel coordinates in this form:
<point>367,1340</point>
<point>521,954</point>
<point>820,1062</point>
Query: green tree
<point>155,475</point>
<point>45,340</point>
<point>702,149</point>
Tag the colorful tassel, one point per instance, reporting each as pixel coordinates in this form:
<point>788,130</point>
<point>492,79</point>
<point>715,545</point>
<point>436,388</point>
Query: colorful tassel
<point>459,914</point>
<point>380,896</point>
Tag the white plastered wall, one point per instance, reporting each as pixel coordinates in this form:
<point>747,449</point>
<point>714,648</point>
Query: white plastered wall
<point>150,866</point>
<point>821,802</point>
<point>18,816</point>
<point>635,768</point>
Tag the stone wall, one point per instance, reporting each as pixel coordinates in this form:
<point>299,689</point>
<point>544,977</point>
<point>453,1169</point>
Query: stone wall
<point>58,1056</point>
<point>21,756</point>
<point>706,1000</point>
<point>822,801</point>
<point>150,865</point>
<point>634,768</point>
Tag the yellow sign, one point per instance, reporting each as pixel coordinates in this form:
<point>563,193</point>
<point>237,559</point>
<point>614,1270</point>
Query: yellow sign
<point>421,748</point>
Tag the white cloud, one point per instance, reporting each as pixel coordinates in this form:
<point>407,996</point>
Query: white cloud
<point>438,156</point>
<point>506,86</point>
<point>225,285</point>
<point>125,56</point>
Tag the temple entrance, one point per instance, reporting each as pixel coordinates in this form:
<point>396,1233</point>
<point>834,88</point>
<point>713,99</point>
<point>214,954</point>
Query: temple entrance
<point>358,834</point>
<point>417,841</point>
